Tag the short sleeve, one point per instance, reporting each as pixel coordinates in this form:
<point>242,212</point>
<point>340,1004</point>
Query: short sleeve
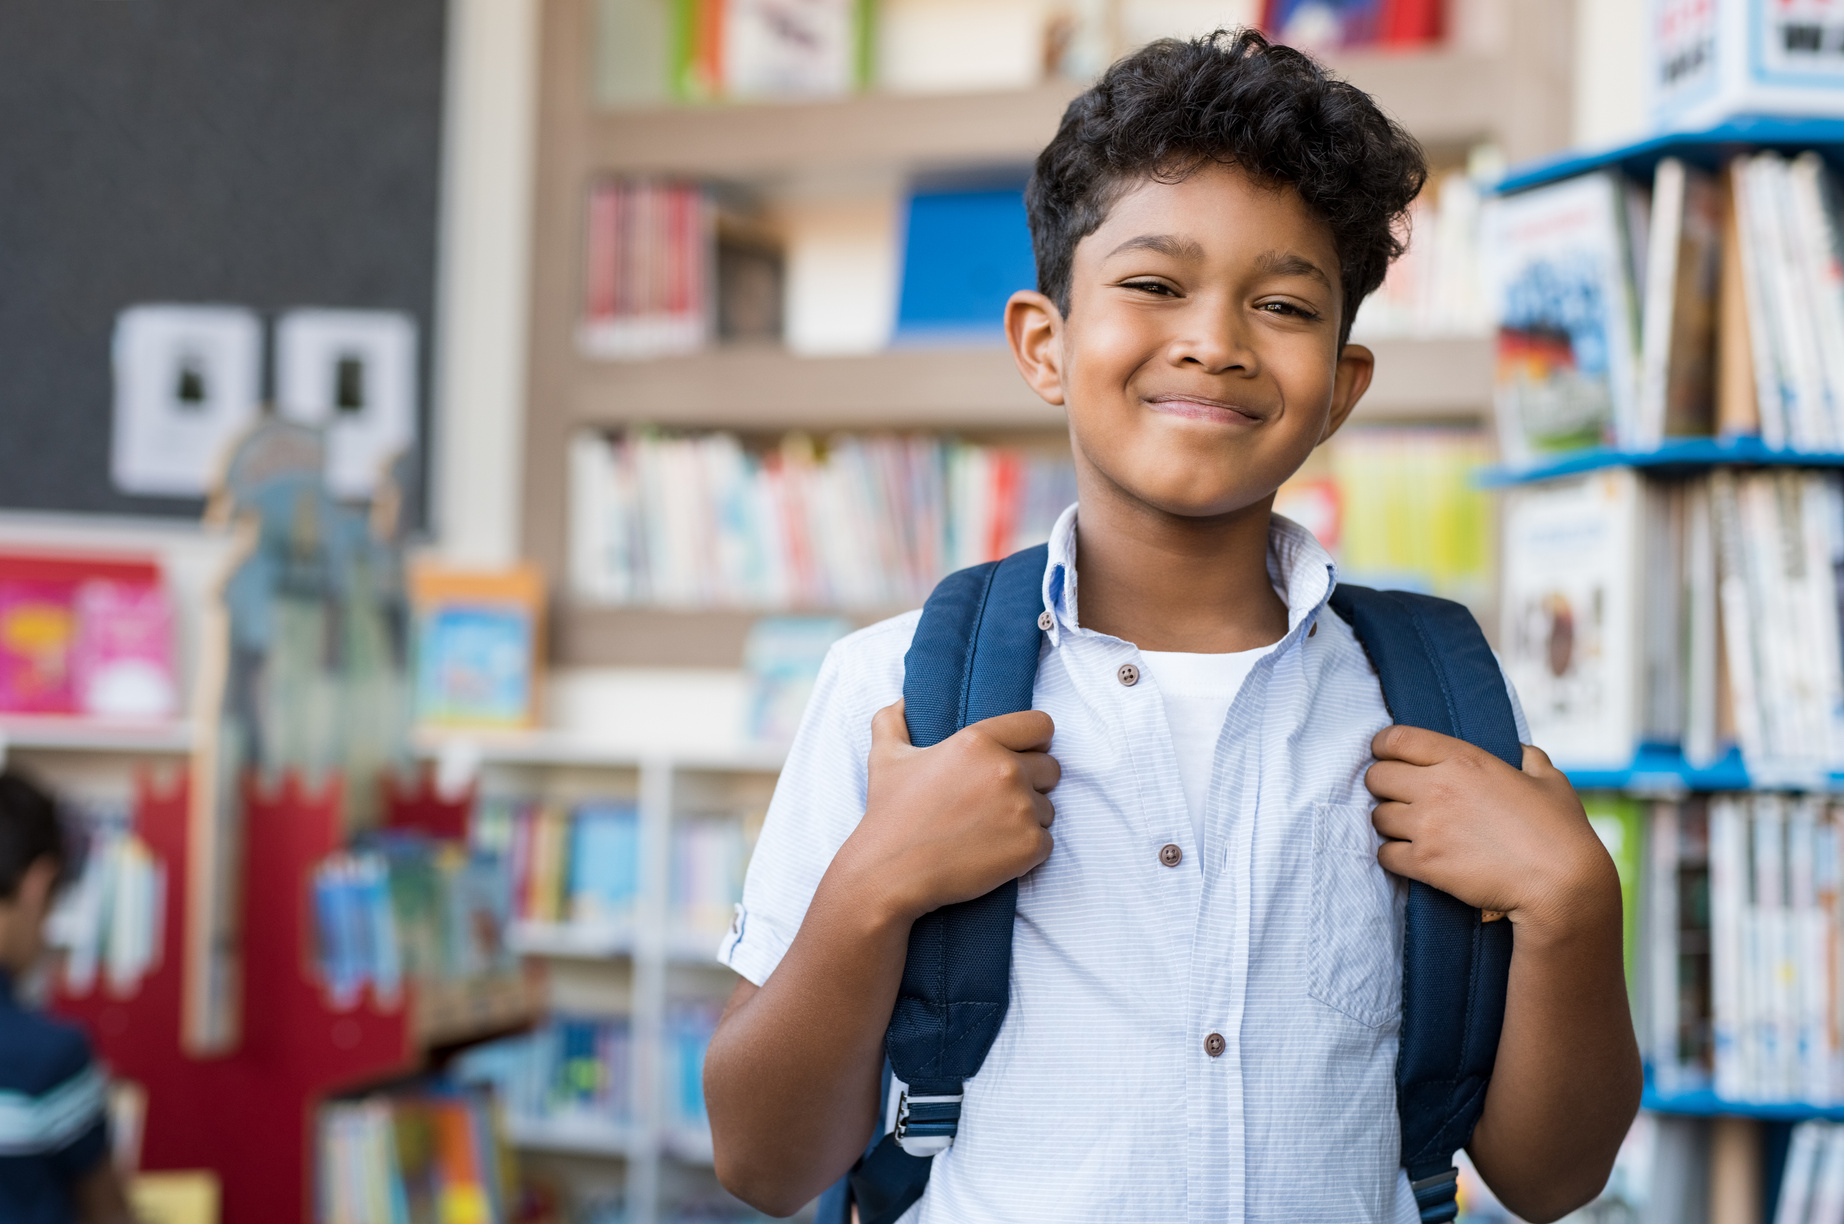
<point>819,797</point>
<point>1517,706</point>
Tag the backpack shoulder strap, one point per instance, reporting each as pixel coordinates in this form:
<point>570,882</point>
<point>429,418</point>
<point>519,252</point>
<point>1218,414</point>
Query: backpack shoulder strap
<point>1437,672</point>
<point>974,656</point>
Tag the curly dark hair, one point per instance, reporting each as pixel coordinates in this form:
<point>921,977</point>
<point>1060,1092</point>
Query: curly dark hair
<point>1235,98</point>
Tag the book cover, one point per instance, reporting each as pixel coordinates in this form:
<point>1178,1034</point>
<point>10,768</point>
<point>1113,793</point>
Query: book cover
<point>1569,636</point>
<point>1676,396</point>
<point>122,654</point>
<point>478,646</point>
<point>604,862</point>
<point>1567,344</point>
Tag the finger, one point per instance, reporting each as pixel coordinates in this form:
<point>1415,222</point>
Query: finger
<point>1537,763</point>
<point>1041,770</point>
<point>1398,858</point>
<point>1396,780</point>
<point>1395,821</point>
<point>1025,731</point>
<point>1046,810</point>
<point>1046,844</point>
<point>888,727</point>
<point>1416,745</point>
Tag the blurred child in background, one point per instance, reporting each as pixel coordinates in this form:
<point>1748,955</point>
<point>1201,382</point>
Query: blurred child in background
<point>54,1135</point>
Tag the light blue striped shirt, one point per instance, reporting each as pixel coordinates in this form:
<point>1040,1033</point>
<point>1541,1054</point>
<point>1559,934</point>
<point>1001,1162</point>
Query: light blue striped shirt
<point>1278,931</point>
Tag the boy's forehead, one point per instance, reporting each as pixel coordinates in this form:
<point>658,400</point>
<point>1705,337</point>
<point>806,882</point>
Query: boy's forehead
<point>1197,215</point>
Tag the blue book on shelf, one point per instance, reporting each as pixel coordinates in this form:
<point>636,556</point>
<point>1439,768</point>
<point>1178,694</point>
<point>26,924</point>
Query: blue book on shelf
<point>604,861</point>
<point>964,253</point>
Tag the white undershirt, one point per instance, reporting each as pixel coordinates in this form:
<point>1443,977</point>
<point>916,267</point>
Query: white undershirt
<point>1198,690</point>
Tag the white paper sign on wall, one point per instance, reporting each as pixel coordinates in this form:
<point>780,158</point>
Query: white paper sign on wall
<point>352,372</point>
<point>188,380</point>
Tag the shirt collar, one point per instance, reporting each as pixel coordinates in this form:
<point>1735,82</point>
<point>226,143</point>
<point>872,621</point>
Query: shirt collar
<point>1303,573</point>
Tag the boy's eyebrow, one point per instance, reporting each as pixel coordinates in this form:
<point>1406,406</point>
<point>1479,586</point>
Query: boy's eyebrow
<point>1288,263</point>
<point>1163,244</point>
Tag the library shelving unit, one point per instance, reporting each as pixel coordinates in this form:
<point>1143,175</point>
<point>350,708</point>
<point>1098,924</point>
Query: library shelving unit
<point>1513,94</point>
<point>247,1113</point>
<point>1744,1161</point>
<point>638,968</point>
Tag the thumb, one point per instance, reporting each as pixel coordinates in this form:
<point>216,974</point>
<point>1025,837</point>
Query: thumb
<point>1537,763</point>
<point>889,729</point>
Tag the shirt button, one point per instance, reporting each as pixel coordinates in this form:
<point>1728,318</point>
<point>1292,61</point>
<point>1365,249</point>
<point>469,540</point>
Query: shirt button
<point>1045,620</point>
<point>1128,675</point>
<point>1214,1045</point>
<point>1171,855</point>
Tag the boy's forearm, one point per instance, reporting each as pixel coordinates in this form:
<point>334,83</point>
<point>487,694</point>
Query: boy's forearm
<point>792,1076</point>
<point>1567,1080</point>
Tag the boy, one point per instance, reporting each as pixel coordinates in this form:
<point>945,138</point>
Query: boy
<point>1206,976</point>
<point>54,1141</point>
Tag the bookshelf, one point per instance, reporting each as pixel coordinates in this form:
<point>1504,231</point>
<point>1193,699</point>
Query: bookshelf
<point>1766,799</point>
<point>1513,94</point>
<point>649,962</point>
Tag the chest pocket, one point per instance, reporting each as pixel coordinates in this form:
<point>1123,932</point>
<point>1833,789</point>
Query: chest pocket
<point>1357,919</point>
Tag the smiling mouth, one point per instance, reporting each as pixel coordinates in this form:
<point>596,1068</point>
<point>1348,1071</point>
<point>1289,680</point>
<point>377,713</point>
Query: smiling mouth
<point>1198,408</point>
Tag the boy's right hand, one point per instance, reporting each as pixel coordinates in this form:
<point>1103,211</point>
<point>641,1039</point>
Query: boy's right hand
<point>953,822</point>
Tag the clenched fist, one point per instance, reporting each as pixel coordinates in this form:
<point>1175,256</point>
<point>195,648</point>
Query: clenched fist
<point>953,822</point>
<point>1515,841</point>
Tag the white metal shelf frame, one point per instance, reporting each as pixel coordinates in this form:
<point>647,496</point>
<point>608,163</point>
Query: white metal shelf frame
<point>651,944</point>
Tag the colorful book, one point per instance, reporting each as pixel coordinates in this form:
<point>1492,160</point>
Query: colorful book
<point>478,646</point>
<point>1559,270</point>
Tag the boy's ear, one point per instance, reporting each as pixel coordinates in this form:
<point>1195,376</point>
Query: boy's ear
<point>1033,327</point>
<point>1355,366</point>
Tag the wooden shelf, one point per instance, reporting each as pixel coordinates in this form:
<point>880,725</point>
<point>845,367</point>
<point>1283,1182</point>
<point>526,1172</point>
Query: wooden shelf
<point>968,388</point>
<point>446,1013</point>
<point>1446,98</point>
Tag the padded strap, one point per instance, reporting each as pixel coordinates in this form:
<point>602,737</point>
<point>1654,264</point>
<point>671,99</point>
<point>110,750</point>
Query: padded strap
<point>1437,672</point>
<point>974,656</point>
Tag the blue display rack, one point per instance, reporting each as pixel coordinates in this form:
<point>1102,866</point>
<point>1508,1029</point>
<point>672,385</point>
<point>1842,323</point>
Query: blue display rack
<point>1687,454</point>
<point>1707,147</point>
<point>1703,1103</point>
<point>1662,769</point>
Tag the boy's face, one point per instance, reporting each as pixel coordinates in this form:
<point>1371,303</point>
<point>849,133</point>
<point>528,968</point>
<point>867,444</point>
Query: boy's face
<point>22,918</point>
<point>1199,361</point>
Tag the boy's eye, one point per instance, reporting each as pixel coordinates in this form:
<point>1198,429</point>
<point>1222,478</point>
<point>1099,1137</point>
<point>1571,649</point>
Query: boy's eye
<point>1151,286</point>
<point>1288,308</point>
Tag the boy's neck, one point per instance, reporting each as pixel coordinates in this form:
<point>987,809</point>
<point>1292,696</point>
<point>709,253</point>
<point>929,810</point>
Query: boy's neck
<point>1167,582</point>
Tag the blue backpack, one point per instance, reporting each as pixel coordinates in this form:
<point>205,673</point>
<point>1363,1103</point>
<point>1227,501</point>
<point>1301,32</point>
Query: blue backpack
<point>974,656</point>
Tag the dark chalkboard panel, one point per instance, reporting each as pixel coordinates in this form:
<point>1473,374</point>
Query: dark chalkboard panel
<point>271,153</point>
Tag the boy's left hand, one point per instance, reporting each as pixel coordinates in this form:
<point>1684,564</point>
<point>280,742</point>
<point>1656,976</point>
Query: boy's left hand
<point>1458,818</point>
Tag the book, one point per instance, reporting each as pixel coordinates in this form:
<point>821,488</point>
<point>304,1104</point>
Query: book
<point>431,1152</point>
<point>863,522</point>
<point>708,858</point>
<point>573,1070</point>
<point>1620,822</point>
<point>562,864</point>
<point>1559,277</point>
<point>85,635</point>
<point>1675,387</point>
<point>649,252</point>
<point>965,252</point>
<point>604,862</point>
<point>110,922</point>
<point>478,643</point>
<point>1570,634</point>
<point>782,657</point>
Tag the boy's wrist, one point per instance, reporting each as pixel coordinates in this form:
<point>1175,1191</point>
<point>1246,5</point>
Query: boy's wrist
<point>1582,900</point>
<point>867,887</point>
